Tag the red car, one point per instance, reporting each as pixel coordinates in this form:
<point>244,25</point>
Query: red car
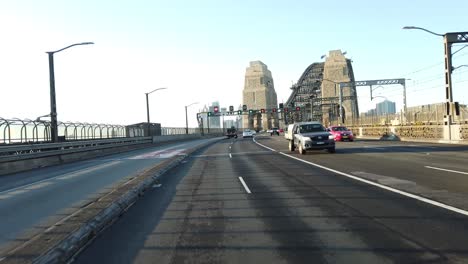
<point>341,133</point>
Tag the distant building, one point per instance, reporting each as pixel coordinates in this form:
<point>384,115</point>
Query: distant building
<point>371,112</point>
<point>386,107</point>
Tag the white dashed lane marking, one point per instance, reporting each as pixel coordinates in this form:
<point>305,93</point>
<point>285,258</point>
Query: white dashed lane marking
<point>245,185</point>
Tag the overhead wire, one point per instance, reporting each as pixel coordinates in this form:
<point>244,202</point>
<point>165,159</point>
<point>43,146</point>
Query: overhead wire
<point>411,89</point>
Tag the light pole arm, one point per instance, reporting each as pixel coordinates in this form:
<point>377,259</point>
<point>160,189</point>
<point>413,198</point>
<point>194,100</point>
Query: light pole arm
<point>76,44</point>
<point>156,90</point>
<point>423,29</point>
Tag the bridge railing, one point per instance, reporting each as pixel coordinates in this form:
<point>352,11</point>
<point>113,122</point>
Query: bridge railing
<point>20,131</point>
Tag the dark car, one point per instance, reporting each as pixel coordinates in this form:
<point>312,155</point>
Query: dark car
<point>274,131</point>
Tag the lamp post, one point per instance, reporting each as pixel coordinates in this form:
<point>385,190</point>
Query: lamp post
<point>449,39</point>
<point>186,117</point>
<point>147,109</point>
<point>53,103</point>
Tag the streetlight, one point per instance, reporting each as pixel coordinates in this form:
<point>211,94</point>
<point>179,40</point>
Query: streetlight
<point>186,117</point>
<point>449,39</point>
<point>147,108</point>
<point>53,103</point>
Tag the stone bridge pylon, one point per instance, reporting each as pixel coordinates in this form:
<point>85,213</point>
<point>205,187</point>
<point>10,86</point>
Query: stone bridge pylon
<point>259,93</point>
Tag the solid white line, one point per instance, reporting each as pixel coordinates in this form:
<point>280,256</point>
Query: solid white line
<point>442,169</point>
<point>264,146</point>
<point>230,155</point>
<point>410,195</point>
<point>245,185</point>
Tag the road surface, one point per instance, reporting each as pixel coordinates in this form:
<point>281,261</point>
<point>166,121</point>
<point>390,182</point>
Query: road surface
<point>32,200</point>
<point>238,202</point>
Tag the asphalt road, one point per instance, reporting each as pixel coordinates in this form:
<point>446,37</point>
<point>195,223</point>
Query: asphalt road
<point>30,201</point>
<point>238,202</point>
<point>435,171</point>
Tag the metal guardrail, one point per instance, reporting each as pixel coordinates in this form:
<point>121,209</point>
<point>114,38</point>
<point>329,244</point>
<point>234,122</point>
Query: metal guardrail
<point>32,151</point>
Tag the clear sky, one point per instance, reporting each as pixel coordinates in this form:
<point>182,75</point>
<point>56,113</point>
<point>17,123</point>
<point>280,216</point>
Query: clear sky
<point>200,50</point>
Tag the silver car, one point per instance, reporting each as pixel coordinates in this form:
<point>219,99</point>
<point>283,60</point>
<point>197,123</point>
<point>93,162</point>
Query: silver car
<point>247,133</point>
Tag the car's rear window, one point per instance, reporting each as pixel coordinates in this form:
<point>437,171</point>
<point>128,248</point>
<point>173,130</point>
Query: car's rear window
<point>340,129</point>
<point>311,128</point>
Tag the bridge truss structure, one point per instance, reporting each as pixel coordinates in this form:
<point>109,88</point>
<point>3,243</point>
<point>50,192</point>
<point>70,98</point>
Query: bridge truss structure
<point>308,95</point>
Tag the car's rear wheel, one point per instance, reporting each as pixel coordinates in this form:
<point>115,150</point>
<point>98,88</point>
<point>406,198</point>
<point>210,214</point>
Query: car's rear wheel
<point>291,145</point>
<point>331,150</point>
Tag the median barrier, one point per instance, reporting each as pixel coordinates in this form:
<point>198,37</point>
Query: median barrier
<point>45,155</point>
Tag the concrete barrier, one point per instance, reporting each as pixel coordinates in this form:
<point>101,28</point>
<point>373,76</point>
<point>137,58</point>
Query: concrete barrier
<point>43,159</point>
<point>15,166</point>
